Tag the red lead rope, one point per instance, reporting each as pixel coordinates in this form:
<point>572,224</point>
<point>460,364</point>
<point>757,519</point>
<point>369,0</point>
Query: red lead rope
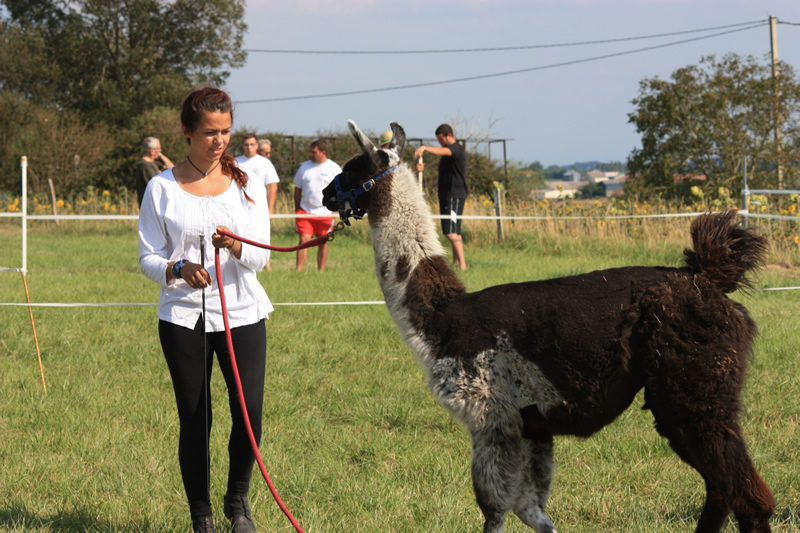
<point>308,244</point>
<point>253,443</point>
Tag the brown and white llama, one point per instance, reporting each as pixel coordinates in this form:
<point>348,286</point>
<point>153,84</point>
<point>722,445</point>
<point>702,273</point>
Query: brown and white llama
<point>520,363</point>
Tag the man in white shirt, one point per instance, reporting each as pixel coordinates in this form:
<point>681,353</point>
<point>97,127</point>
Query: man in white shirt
<point>262,177</point>
<point>313,176</point>
<point>262,182</point>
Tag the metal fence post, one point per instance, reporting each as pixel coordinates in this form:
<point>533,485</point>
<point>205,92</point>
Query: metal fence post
<point>24,213</point>
<point>745,194</point>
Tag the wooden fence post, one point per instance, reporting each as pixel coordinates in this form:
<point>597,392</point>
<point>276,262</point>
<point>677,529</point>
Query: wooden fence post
<point>498,210</point>
<point>53,197</point>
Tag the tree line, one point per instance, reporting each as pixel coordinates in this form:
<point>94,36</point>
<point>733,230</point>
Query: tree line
<point>83,82</point>
<point>715,121</point>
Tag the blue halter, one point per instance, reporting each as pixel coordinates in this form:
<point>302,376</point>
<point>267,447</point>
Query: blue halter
<point>348,206</point>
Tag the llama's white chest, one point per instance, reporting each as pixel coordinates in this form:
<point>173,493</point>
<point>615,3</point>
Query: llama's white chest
<point>495,381</point>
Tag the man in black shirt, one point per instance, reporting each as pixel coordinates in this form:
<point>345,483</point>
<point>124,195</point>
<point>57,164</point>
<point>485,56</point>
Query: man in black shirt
<point>452,186</point>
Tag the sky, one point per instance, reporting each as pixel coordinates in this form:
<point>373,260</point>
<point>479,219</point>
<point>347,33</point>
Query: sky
<point>556,115</point>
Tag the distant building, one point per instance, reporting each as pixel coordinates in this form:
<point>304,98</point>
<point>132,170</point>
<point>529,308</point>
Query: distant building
<point>572,175</point>
<point>558,190</point>
<point>598,176</point>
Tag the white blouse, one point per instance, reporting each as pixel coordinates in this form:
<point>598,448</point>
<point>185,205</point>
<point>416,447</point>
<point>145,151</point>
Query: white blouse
<point>171,223</point>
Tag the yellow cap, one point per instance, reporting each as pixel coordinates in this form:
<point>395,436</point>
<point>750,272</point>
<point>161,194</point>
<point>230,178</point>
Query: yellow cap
<point>386,137</point>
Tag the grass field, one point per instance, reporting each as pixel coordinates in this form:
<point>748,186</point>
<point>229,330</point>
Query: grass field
<point>352,438</point>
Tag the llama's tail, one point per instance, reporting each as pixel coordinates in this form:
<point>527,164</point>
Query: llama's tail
<point>724,251</point>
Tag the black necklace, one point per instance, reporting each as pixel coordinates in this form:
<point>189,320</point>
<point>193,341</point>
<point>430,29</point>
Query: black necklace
<point>200,171</point>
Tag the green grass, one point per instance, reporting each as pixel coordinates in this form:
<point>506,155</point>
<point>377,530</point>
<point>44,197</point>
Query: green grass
<point>353,440</point>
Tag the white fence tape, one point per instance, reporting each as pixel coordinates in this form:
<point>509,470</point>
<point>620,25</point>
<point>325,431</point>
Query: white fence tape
<point>2,304</point>
<point>374,302</point>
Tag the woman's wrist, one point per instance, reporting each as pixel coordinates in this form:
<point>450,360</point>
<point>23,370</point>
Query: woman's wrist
<point>175,269</point>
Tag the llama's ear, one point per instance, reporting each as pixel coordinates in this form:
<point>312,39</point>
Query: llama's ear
<point>398,137</point>
<point>363,141</point>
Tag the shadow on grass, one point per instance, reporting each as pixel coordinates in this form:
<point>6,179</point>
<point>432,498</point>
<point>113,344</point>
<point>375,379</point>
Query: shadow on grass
<point>688,515</point>
<point>788,516</point>
<point>16,517</point>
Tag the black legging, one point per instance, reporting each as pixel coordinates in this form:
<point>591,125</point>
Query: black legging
<point>183,349</point>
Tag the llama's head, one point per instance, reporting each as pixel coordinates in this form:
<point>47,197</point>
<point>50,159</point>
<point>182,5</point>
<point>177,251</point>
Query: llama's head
<point>350,192</point>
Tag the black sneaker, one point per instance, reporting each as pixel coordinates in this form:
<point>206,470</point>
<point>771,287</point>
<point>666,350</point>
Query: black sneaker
<point>237,510</point>
<point>204,524</point>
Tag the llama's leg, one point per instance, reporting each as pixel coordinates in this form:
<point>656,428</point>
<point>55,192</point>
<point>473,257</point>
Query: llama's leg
<point>496,472</point>
<point>715,511</point>
<point>537,451</point>
<point>707,436</point>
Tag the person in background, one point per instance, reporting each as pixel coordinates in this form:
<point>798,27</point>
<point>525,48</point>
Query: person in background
<point>312,176</point>
<point>147,167</point>
<point>263,176</point>
<point>386,138</point>
<point>452,187</point>
<point>265,148</point>
<point>263,179</point>
<point>183,205</point>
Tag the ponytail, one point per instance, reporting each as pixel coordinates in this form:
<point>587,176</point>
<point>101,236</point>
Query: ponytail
<point>230,168</point>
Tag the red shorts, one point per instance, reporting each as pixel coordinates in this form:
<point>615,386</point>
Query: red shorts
<point>313,226</point>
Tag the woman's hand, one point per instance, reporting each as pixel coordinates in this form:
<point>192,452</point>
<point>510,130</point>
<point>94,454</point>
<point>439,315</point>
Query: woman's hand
<point>223,241</point>
<point>195,275</point>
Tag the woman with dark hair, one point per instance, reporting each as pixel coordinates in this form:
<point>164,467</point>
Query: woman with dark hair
<point>182,212</point>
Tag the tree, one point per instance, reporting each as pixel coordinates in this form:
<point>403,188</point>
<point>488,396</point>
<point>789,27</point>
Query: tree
<point>102,69</point>
<point>115,59</point>
<point>611,166</point>
<point>536,166</point>
<point>706,119</point>
<point>554,172</point>
<point>592,190</point>
<point>523,179</point>
<point>61,148</point>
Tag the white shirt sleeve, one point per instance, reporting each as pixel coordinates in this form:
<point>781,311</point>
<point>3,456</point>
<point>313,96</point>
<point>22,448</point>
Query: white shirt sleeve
<point>271,174</point>
<point>153,241</point>
<point>254,257</point>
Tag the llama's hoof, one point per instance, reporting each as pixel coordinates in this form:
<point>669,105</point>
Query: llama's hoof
<point>494,526</point>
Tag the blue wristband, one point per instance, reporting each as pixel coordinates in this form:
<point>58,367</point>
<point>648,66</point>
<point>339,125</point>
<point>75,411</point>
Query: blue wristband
<point>176,268</point>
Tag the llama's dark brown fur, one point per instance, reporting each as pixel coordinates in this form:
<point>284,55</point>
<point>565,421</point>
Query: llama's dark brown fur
<point>520,363</point>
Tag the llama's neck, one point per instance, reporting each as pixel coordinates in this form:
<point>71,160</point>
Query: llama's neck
<point>410,261</point>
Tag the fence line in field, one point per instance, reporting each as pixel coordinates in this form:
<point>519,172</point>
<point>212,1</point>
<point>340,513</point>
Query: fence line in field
<point>743,212</point>
<point>26,217</point>
<point>375,302</point>
<point>293,304</point>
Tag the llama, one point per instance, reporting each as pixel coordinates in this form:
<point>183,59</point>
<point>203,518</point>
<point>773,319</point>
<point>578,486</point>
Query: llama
<point>522,362</point>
